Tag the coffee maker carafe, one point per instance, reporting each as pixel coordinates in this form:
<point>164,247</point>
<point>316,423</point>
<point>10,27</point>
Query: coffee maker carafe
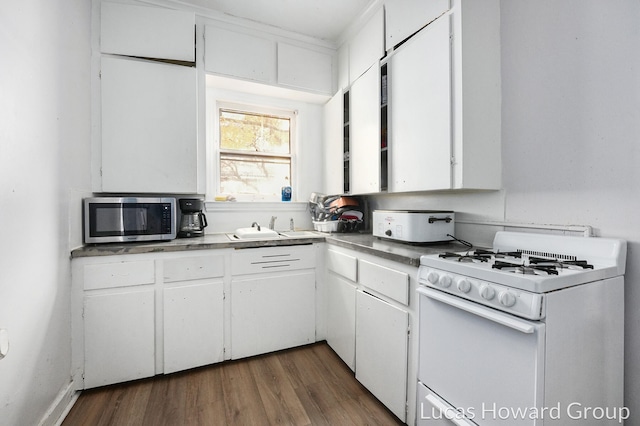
<point>193,221</point>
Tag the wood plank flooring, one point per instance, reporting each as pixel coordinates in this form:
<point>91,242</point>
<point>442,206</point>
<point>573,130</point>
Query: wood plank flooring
<point>309,385</point>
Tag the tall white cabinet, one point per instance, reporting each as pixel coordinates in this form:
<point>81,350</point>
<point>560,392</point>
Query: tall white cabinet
<point>405,17</point>
<point>420,111</point>
<point>149,127</point>
<point>444,102</point>
<point>145,132</point>
<point>364,139</point>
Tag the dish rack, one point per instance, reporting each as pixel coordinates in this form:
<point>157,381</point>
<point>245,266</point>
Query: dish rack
<point>335,213</point>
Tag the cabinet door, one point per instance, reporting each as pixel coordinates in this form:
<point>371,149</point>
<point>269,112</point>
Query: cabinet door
<point>149,134</point>
<point>149,32</point>
<point>304,68</point>
<point>272,312</point>
<point>420,111</point>
<point>119,337</point>
<point>341,318</point>
<point>364,112</point>
<point>405,17</point>
<point>381,351</point>
<point>193,326</point>
<point>334,139</point>
<point>367,46</point>
<point>240,55</point>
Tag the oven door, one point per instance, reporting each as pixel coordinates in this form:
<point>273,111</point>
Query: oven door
<point>483,363</point>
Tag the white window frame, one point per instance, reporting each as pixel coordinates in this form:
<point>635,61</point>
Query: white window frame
<point>213,167</point>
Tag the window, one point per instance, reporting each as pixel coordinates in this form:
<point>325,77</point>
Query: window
<point>255,151</point>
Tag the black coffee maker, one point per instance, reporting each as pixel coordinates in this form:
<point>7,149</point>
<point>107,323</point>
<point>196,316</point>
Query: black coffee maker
<point>193,221</point>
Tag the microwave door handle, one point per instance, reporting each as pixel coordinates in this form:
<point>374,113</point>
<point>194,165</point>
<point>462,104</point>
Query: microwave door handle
<point>509,321</point>
<point>443,408</point>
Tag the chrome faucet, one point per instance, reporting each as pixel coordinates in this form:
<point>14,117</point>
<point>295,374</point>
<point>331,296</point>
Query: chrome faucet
<point>272,222</point>
<point>256,225</point>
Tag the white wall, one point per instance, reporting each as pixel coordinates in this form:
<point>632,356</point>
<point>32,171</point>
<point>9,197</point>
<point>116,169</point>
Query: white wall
<point>570,136</point>
<point>44,135</point>
<point>571,129</point>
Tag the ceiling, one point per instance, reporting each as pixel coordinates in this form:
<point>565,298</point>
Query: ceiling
<point>324,20</point>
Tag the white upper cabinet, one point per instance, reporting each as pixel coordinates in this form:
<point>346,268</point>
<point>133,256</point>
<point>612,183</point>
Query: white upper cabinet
<point>405,17</point>
<point>149,127</point>
<point>303,68</point>
<point>148,32</point>
<point>364,140</point>
<point>444,107</point>
<point>367,46</point>
<point>477,94</point>
<point>420,111</point>
<point>334,139</point>
<point>261,58</point>
<point>240,55</point>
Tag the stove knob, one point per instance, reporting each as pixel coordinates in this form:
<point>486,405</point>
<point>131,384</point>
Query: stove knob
<point>433,277</point>
<point>487,292</point>
<point>507,299</point>
<point>445,281</point>
<point>464,285</point>
<point>388,232</point>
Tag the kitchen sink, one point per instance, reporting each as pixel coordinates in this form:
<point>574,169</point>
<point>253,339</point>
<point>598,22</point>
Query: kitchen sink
<point>298,234</point>
<point>255,233</point>
<point>252,234</point>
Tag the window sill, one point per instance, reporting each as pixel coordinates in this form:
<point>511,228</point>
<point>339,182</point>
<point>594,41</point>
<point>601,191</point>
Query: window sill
<point>240,206</point>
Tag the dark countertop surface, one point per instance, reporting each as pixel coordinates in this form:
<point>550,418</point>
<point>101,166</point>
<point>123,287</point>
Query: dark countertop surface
<point>363,242</point>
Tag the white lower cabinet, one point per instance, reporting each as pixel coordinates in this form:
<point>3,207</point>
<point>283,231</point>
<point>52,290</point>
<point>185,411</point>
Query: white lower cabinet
<point>341,318</point>
<point>119,343</point>
<point>193,311</point>
<point>369,316</point>
<point>138,315</point>
<point>273,312</point>
<point>381,351</point>
<point>193,326</point>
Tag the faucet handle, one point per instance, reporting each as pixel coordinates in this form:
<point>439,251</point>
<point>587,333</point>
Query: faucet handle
<point>291,224</point>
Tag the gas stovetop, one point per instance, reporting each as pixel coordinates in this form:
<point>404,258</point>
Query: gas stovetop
<point>536,262</point>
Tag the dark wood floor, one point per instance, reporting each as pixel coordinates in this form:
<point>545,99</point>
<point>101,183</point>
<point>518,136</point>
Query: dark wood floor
<point>309,385</point>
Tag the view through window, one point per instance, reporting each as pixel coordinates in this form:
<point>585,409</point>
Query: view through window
<point>255,153</point>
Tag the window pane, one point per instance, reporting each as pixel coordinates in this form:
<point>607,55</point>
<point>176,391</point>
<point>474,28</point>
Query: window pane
<point>241,174</point>
<point>253,132</point>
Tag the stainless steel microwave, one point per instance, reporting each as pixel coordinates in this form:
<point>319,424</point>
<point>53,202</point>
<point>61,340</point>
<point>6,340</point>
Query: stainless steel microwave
<point>118,219</point>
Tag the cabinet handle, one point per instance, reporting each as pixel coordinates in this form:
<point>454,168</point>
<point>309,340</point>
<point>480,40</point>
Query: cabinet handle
<point>439,219</point>
<point>443,408</point>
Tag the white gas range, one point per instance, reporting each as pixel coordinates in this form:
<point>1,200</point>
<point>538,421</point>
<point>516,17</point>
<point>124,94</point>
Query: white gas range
<point>529,332</point>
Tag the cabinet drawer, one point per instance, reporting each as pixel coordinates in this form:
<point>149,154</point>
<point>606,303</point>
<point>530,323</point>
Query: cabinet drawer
<point>342,264</point>
<point>193,268</point>
<point>272,259</point>
<point>121,274</point>
<point>386,281</point>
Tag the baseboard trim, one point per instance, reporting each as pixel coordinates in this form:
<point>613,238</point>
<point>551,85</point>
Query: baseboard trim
<point>59,409</point>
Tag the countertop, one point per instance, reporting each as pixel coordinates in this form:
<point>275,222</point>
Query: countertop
<point>363,242</point>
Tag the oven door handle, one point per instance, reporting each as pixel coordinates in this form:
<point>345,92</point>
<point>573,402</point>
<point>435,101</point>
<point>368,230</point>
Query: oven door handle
<point>506,320</point>
<point>443,408</point>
